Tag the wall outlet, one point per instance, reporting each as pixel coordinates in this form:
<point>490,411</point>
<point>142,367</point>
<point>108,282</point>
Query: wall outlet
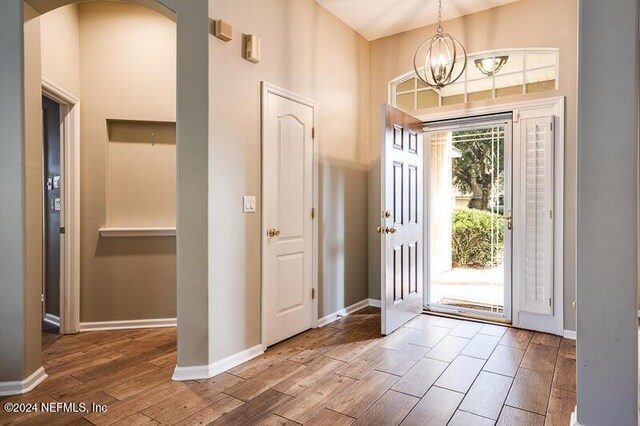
<point>249,204</point>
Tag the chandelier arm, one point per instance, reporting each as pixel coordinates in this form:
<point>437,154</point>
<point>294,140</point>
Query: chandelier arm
<point>447,79</point>
<point>464,65</point>
<point>415,64</point>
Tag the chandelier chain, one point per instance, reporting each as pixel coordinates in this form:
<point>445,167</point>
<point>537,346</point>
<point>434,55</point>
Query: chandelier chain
<point>440,29</point>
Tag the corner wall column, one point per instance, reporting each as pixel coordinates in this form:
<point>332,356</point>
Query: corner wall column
<point>607,314</point>
<point>193,174</point>
<point>13,321</point>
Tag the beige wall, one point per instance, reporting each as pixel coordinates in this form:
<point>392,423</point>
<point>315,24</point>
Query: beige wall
<point>120,60</point>
<point>60,48</point>
<point>307,50</point>
<point>526,23</point>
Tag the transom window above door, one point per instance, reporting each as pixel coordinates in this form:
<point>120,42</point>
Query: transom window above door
<point>488,75</point>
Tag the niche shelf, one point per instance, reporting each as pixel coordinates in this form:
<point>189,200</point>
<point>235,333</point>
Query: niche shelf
<point>138,232</point>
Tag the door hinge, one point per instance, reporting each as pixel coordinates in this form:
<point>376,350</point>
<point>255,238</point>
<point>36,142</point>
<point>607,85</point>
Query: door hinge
<point>313,133</point>
<point>551,126</point>
<point>550,214</point>
<point>549,301</point>
<point>313,213</point>
<point>313,293</point>
<point>63,230</point>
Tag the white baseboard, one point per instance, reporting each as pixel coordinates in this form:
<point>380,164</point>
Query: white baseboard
<point>207,371</point>
<point>52,319</point>
<point>574,418</point>
<point>19,387</point>
<point>328,319</point>
<point>570,334</point>
<point>129,324</point>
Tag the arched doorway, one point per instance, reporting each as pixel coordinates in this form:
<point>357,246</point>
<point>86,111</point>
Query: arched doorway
<point>21,238</point>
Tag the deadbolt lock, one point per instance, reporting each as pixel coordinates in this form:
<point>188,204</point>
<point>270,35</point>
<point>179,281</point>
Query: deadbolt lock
<point>272,232</point>
<point>387,214</point>
<point>385,230</point>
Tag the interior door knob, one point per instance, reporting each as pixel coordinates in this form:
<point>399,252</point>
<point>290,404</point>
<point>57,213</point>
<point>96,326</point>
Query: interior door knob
<point>272,232</point>
<point>390,230</point>
<point>387,214</point>
<point>380,230</point>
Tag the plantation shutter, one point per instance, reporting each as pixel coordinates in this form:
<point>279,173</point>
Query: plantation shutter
<point>538,174</point>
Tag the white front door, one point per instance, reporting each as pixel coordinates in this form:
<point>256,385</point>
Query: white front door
<point>287,195</point>
<point>401,222</point>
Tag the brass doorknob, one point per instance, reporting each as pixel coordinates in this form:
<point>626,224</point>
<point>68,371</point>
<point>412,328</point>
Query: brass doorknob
<point>387,214</point>
<point>380,230</point>
<point>272,232</point>
<point>390,230</point>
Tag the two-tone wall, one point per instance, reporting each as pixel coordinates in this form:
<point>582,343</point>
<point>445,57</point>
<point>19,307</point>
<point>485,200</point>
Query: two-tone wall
<point>307,50</point>
<point>119,59</point>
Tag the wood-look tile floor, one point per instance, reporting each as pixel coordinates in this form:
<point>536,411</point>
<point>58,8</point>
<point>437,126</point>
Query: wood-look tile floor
<point>432,371</point>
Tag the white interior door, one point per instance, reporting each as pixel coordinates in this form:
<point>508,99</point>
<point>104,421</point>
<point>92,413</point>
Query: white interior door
<point>287,193</point>
<point>401,226</point>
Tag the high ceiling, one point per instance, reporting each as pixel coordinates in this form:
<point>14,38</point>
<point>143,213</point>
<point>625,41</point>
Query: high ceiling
<point>379,18</point>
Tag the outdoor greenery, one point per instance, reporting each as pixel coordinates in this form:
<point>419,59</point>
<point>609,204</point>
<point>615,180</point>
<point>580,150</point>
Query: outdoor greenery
<point>472,238</point>
<point>474,172</point>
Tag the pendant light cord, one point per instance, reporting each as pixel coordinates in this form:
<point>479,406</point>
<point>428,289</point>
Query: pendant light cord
<point>440,29</point>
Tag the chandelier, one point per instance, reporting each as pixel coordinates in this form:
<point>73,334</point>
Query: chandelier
<point>491,66</point>
<point>440,60</point>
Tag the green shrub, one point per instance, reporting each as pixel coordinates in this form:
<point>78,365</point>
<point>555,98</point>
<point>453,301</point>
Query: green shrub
<point>471,238</point>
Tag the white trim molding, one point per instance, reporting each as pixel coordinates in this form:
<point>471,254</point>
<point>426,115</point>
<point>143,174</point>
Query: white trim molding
<point>19,387</point>
<point>128,324</point>
<point>570,334</point>
<point>138,232</point>
<point>574,418</point>
<point>52,319</point>
<point>207,371</point>
<point>328,319</point>
<point>70,215</point>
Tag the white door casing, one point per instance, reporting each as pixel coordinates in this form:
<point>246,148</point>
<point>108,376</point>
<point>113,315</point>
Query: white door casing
<point>401,226</point>
<point>70,212</point>
<point>470,122</point>
<point>288,231</point>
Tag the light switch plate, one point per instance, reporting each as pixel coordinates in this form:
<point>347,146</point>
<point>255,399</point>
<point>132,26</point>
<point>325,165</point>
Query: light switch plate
<point>249,204</point>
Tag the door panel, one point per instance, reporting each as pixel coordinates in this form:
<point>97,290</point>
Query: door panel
<point>401,227</point>
<point>288,202</point>
<point>537,205</point>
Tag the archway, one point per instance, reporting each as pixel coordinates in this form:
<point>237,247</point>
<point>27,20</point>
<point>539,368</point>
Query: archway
<point>19,307</point>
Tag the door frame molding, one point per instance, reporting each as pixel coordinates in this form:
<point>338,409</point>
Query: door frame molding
<point>266,89</point>
<point>557,104</point>
<point>70,170</point>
